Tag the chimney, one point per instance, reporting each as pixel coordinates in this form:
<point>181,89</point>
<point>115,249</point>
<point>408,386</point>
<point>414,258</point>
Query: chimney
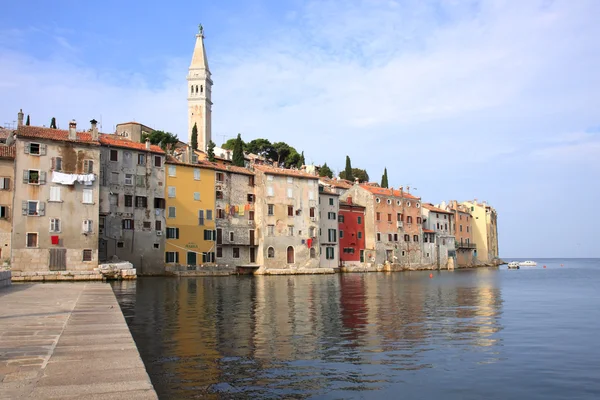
<point>190,152</point>
<point>356,182</point>
<point>228,154</point>
<point>147,144</point>
<point>72,130</point>
<point>94,129</point>
<point>20,118</point>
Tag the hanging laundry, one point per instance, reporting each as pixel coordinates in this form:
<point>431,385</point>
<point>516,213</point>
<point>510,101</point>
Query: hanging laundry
<point>227,209</point>
<point>309,242</point>
<point>64,179</point>
<point>247,207</point>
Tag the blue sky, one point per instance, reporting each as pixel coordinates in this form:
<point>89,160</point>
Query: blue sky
<point>494,100</point>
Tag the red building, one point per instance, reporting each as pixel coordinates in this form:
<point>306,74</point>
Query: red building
<point>352,232</point>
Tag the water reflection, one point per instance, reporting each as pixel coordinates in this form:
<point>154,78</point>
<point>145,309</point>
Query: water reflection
<point>300,336</point>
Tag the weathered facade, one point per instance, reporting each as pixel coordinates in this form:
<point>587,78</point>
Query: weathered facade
<point>485,231</point>
<point>132,203</point>
<point>352,240</point>
<point>133,131</point>
<point>337,185</point>
<point>236,216</point>
<point>466,248</point>
<point>199,94</point>
<point>7,181</point>
<point>329,208</point>
<point>287,235</point>
<point>441,249</point>
<point>56,226</point>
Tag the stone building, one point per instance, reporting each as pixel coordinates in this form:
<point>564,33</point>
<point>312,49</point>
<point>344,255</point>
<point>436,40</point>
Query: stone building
<point>438,244</point>
<point>7,182</point>
<point>393,222</point>
<point>236,215</point>
<point>466,248</point>
<point>56,228</point>
<point>132,203</point>
<point>329,232</point>
<point>336,184</point>
<point>133,131</point>
<point>352,240</point>
<point>485,230</point>
<point>287,220</point>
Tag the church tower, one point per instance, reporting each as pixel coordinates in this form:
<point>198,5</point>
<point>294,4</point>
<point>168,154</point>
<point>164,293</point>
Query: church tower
<point>199,94</point>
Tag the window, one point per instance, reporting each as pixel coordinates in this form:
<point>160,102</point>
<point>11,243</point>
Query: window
<point>290,211</point>
<point>250,215</point>
<point>128,200</point>
<point>341,234</point>
<point>209,234</point>
<point>172,233</point>
<point>219,252</point>
<point>270,230</point>
<point>34,148</point>
<point>332,235</point>
<point>409,219</point>
<point>129,179</point>
<point>220,213</point>
<point>87,226</point>
<point>88,196</point>
<point>331,215</point>
<point>158,161</point>
<point>311,231</point>
<point>57,163</point>
<point>231,236</point>
<point>445,226</point>
<point>114,178</point>
<point>197,196</point>
<point>32,240</point>
<point>415,238</point>
<point>395,237</point>
<point>128,224</point>
<point>290,179</point>
<point>329,253</point>
<point>158,225</point>
<point>331,201</point>
<point>377,216</point>
<point>399,217</point>
<point>200,217</point>
<point>54,193</point>
<point>311,194</point>
<point>378,237</point>
<point>172,257</point>
<point>290,255</point>
<point>236,252</point>
<point>359,220</point>
<point>250,198</point>
<point>219,195</point>
<point>378,200</point>
<point>172,212</point>
<point>156,245</point>
<point>171,191</point>
<point>270,192</point>
<point>290,193</point>
<point>417,205</point>
<point>33,208</point>
<point>141,202</point>
<point>460,228</point>
<point>408,204</point>
<point>120,245</point>
<point>389,201</point>
<point>141,159</point>
<point>390,237</point>
<point>389,217</point>
<point>418,220</point>
<point>467,229</point>
<point>445,216</point>
<point>220,177</point>
<point>209,215</point>
<point>4,212</point>
<point>359,234</point>
<point>270,209</point>
<point>88,166</point>
<point>114,155</point>
<point>290,230</point>
<point>34,177</point>
<point>251,180</point>
<point>407,238</point>
<point>270,252</point>
<point>87,255</point>
<point>172,170</point>
<point>55,225</point>
<point>4,183</point>
<point>196,174</point>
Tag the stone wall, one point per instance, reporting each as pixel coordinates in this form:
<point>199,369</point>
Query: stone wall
<point>5,277</point>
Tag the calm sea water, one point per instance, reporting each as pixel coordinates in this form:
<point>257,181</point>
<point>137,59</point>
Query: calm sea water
<point>532,333</point>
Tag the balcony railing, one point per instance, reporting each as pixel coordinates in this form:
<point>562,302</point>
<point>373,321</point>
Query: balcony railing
<point>463,245</point>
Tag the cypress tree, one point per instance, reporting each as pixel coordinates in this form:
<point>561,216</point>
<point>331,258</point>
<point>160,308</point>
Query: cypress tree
<point>211,151</point>
<point>195,137</point>
<point>27,122</point>
<point>53,123</point>
<point>301,161</point>
<point>238,151</point>
<point>325,171</point>
<point>384,179</point>
<point>348,171</point>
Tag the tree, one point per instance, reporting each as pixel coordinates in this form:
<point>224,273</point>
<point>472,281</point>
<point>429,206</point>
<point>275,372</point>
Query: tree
<point>384,179</point>
<point>52,123</point>
<point>230,144</point>
<point>195,137</point>
<point>238,152</point>
<point>325,171</point>
<point>348,171</point>
<point>261,147</point>
<point>302,160</point>
<point>27,122</point>
<point>361,174</point>
<point>282,152</point>
<point>211,151</point>
<point>164,139</point>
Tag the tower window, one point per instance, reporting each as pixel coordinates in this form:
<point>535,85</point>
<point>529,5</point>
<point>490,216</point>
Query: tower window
<point>192,89</point>
<point>201,89</point>
<point>196,88</point>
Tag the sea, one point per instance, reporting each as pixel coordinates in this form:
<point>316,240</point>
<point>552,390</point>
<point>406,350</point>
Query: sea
<point>482,333</point>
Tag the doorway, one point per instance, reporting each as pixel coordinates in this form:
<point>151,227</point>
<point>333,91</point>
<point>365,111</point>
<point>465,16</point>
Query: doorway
<point>252,255</point>
<point>191,258</point>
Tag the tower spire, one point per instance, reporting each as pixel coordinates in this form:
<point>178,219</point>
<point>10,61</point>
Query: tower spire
<point>199,59</point>
<point>199,93</point>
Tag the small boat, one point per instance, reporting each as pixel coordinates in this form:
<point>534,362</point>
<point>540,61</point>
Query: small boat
<point>528,264</point>
<point>513,265</point>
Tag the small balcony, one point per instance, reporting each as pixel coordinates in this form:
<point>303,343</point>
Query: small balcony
<point>463,245</point>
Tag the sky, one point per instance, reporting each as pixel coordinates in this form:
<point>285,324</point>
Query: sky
<point>460,99</point>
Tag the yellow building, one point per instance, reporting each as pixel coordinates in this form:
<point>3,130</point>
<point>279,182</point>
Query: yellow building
<point>485,230</point>
<point>190,194</point>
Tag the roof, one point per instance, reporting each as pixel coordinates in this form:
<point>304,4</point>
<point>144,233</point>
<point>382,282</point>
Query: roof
<point>328,191</point>
<point>117,141</point>
<point>388,192</point>
<point>5,133</point>
<point>226,167</point>
<point>38,132</point>
<point>285,172</point>
<point>428,231</point>
<point>431,207</point>
<point>346,204</point>
<point>339,183</point>
<point>134,123</point>
<point>7,151</point>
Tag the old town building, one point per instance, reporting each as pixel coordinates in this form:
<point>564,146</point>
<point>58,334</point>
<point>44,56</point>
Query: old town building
<point>7,181</point>
<point>485,231</point>
<point>132,203</point>
<point>438,236</point>
<point>352,233</point>
<point>287,219</point>
<point>336,184</point>
<point>199,94</point>
<point>466,249</point>
<point>56,225</point>
<point>328,227</point>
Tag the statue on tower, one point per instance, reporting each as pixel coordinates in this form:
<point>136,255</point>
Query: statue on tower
<point>200,30</point>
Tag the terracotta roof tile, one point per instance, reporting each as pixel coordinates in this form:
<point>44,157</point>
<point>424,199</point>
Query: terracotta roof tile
<point>431,207</point>
<point>4,133</point>
<point>388,192</point>
<point>7,151</point>
<point>226,167</point>
<point>428,231</point>
<point>285,172</point>
<point>339,183</point>
<point>117,141</point>
<point>38,132</point>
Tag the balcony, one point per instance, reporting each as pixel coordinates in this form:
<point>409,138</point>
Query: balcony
<point>462,245</point>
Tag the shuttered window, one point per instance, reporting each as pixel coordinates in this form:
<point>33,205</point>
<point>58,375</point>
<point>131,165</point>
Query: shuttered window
<point>200,217</point>
<point>88,196</point>
<point>4,183</point>
<point>54,193</point>
<point>87,255</point>
<point>55,225</point>
<point>88,166</point>
<point>58,260</point>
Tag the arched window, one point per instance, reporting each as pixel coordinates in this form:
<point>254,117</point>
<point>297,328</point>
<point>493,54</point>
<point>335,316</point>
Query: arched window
<point>415,238</point>
<point>192,89</point>
<point>201,89</point>
<point>409,220</point>
<point>407,238</point>
<point>196,88</point>
<point>290,255</point>
<point>270,252</point>
<point>313,252</point>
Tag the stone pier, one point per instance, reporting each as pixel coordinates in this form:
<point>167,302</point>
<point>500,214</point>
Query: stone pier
<point>67,340</point>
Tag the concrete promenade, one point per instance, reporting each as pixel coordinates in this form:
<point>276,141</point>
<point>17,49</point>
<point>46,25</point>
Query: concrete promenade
<point>67,340</point>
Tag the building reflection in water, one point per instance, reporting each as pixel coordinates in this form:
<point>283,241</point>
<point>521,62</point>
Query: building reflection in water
<point>307,335</point>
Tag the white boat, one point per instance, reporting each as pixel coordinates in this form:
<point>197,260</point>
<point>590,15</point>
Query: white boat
<point>528,264</point>
<point>513,265</point>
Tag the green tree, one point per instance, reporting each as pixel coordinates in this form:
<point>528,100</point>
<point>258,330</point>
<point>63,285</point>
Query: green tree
<point>384,179</point>
<point>325,171</point>
<point>361,174</point>
<point>195,137</point>
<point>164,139</point>
<point>27,122</point>
<point>348,171</point>
<point>211,151</point>
<point>52,123</point>
<point>261,147</point>
<point>302,160</point>
<point>238,152</point>
<point>282,152</point>
<point>230,144</point>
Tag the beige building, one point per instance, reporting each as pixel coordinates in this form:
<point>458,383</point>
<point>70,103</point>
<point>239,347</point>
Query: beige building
<point>133,131</point>
<point>485,230</point>
<point>7,181</point>
<point>56,225</point>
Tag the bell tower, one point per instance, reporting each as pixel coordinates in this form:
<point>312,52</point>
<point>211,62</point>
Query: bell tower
<point>199,93</point>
